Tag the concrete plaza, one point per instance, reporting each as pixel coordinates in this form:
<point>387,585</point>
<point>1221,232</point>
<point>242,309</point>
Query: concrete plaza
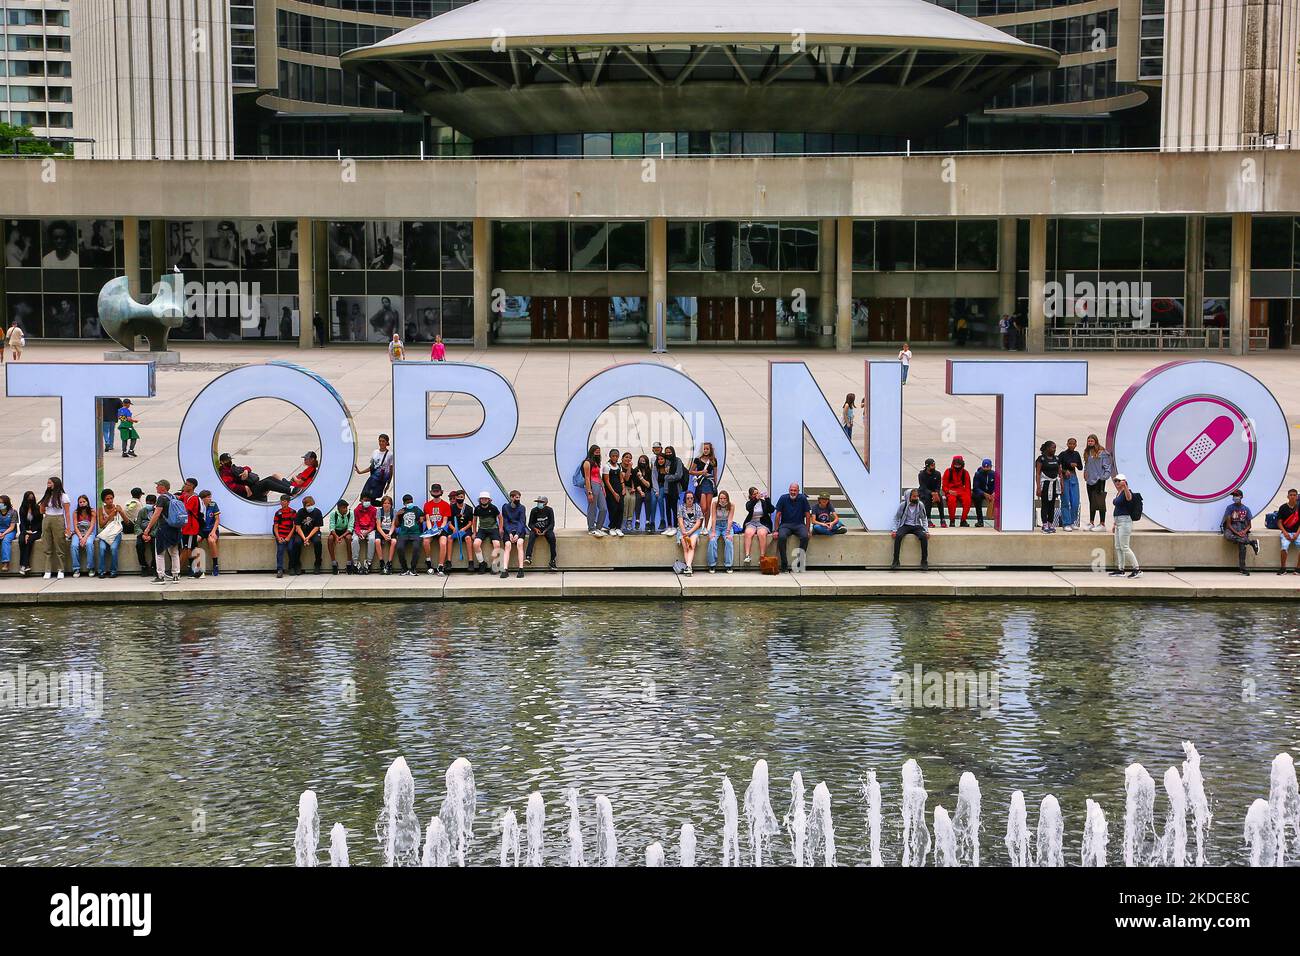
<point>271,436</point>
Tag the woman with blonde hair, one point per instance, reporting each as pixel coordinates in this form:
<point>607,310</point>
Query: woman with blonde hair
<point>1098,468</point>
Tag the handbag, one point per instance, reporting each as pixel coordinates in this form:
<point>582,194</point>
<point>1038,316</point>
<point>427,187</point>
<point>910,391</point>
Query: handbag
<point>111,531</point>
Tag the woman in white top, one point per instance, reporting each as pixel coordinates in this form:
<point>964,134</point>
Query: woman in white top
<point>690,520</point>
<point>56,527</point>
<point>905,359</point>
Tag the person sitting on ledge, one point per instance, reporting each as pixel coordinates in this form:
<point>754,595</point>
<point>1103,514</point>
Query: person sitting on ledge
<point>690,521</point>
<point>339,524</point>
<point>792,516</point>
<point>1236,529</point>
<point>957,490</point>
<point>983,489</point>
<point>244,482</point>
<point>824,518</point>
<point>912,517</point>
<point>929,485</point>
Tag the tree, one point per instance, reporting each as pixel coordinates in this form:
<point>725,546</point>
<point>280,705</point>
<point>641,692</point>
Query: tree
<point>37,147</point>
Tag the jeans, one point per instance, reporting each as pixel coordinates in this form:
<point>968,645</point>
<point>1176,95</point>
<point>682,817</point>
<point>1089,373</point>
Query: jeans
<point>799,531</point>
<point>658,505</point>
<point>597,512</point>
<point>905,368</point>
<point>1069,500</point>
<point>1123,532</point>
<point>7,547</point>
<point>296,549</point>
<point>848,431</point>
<point>142,549</point>
<point>108,555</point>
<point>921,535</point>
<point>108,429</point>
<point>728,542</point>
<point>283,553</point>
<point>836,528</point>
<point>83,554</point>
<point>672,495</point>
<point>25,547</point>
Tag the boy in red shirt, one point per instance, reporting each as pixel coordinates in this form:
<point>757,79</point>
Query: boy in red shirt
<point>364,521</point>
<point>437,515</point>
<point>956,487</point>
<point>191,531</point>
<point>283,524</point>
<point>310,464</point>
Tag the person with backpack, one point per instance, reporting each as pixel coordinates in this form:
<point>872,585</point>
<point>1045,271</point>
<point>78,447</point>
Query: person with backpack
<point>379,472</point>
<point>1288,527</point>
<point>674,483</point>
<point>1235,527</point>
<point>169,517</point>
<point>339,525</point>
<point>588,479</point>
<point>1126,508</point>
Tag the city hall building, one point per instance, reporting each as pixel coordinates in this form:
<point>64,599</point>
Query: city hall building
<point>829,174</point>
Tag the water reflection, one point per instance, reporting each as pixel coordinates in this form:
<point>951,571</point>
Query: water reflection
<point>216,718</point>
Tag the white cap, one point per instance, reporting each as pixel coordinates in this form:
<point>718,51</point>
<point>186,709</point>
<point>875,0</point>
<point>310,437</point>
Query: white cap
<point>1120,478</point>
<point>485,494</point>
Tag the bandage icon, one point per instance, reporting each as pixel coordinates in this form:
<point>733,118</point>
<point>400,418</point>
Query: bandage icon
<point>1201,448</point>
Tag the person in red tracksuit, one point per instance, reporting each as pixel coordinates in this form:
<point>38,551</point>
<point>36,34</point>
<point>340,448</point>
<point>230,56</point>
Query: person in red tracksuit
<point>956,488</point>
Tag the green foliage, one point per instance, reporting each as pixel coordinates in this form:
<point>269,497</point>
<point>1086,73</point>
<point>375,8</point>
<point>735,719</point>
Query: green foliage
<point>9,132</point>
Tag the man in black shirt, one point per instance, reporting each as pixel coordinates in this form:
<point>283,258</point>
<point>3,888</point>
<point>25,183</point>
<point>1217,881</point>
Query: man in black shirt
<point>929,483</point>
<point>306,534</point>
<point>541,524</point>
<point>1071,464</point>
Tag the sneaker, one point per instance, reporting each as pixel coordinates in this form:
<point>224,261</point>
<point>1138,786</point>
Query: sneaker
<point>1244,571</point>
<point>552,567</point>
<point>712,570</point>
<point>48,575</point>
<point>894,566</point>
<point>965,523</point>
<point>505,574</point>
<point>334,569</point>
<point>176,579</point>
<point>1068,527</point>
<point>279,574</point>
<point>439,573</point>
<point>528,561</point>
<point>158,579</point>
<point>520,574</point>
<point>1138,573</point>
<point>1282,572</point>
<point>112,574</point>
<point>59,576</point>
<point>617,532</point>
<point>747,559</point>
<point>925,566</point>
<point>730,570</point>
<point>688,572</point>
<point>1118,574</point>
<point>429,570</point>
<point>75,574</point>
<point>1092,527</point>
<point>668,532</point>
<point>198,575</point>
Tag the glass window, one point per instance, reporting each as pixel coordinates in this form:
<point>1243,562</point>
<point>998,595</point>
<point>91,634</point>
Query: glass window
<point>590,246</point>
<point>1164,243</point>
<point>789,142</point>
<point>628,144</point>
<point>977,244</point>
<point>799,241</point>
<point>627,246</point>
<point>717,252</point>
<point>511,242</point>
<point>596,144</point>
<point>683,245</point>
<point>864,245</point>
<point>457,245</point>
<point>1270,242</point>
<point>1218,242</point>
<point>895,244</point>
<point>1121,244</point>
<point>661,144</point>
<point>550,246</point>
<point>756,246</point>
<point>1077,244</point>
<point>936,244</point>
<point>757,144</point>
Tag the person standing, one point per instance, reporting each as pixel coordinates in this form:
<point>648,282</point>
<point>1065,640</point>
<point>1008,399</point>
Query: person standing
<point>144,552</point>
<point>191,554</point>
<point>308,522</point>
<point>1047,479</point>
<point>164,529</point>
<point>379,470</point>
<point>439,351</point>
<point>514,529</point>
<point>396,350</point>
<point>56,525</point>
<point>1098,468</point>
<point>108,421</point>
<point>126,422</point>
<point>846,415</point>
<point>674,483</point>
<point>30,519</point>
<point>704,470</point>
<point>595,489</point>
<point>912,517</point>
<point>1235,527</point>
<point>1127,507</point>
<point>613,501</point>
<point>1288,526</point>
<point>644,483</point>
<point>792,516</point>
<point>15,340</point>
<point>318,327</point>
<point>658,466</point>
<point>905,360</point>
<point>1071,465</point>
<point>984,489</point>
<point>541,524</point>
<point>210,528</point>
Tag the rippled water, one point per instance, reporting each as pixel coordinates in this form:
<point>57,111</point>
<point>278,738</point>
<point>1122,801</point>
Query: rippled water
<point>216,718</point>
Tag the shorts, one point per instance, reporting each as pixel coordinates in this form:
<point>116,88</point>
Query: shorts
<point>705,486</point>
<point>492,535</point>
<point>693,535</point>
<point>756,525</point>
<point>1286,543</point>
<point>189,542</point>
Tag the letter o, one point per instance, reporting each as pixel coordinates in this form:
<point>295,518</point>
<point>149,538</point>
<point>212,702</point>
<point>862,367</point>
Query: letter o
<point>632,380</point>
<point>305,391</point>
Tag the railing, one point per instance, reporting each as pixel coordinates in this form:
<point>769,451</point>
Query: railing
<point>1143,340</point>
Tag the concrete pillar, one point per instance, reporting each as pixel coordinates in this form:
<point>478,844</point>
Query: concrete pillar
<point>1036,335</point>
<point>157,251</point>
<point>131,254</point>
<point>482,280</point>
<point>1194,274</point>
<point>843,284</point>
<point>1006,266</point>
<point>1239,288</point>
<point>827,262</point>
<point>658,268</point>
<point>306,283</point>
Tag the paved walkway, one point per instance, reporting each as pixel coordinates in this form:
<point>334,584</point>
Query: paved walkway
<point>607,585</point>
<point>271,436</point>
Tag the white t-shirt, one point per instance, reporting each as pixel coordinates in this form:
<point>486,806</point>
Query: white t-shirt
<point>905,356</point>
<point>53,509</point>
<point>380,459</point>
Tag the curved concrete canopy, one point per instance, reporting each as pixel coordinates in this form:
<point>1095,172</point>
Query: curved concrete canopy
<point>505,67</point>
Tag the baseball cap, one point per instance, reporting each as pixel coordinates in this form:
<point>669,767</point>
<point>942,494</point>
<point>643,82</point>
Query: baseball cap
<point>542,499</point>
<point>435,487</point>
<point>163,483</point>
<point>987,462</point>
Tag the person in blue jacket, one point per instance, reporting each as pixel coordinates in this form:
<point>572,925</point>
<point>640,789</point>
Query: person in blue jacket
<point>984,487</point>
<point>514,531</point>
